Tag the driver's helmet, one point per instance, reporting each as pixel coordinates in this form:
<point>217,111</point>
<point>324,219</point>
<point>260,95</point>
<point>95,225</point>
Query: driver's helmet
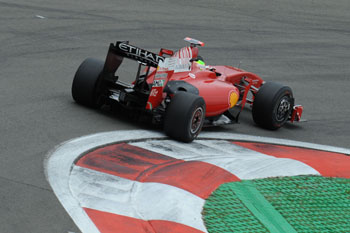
<point>200,62</point>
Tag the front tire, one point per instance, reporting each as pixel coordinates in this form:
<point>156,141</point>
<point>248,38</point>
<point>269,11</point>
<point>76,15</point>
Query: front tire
<point>87,83</point>
<point>184,116</point>
<point>272,105</point>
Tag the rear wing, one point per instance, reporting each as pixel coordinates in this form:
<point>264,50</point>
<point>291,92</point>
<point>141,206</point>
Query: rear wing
<point>122,49</point>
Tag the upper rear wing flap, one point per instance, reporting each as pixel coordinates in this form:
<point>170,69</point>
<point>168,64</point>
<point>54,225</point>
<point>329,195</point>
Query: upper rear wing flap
<point>122,49</point>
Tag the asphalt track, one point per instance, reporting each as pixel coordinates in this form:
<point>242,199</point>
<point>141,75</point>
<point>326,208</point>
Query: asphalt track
<point>303,43</point>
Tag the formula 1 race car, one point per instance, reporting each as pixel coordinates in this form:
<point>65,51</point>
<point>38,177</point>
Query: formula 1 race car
<point>178,91</point>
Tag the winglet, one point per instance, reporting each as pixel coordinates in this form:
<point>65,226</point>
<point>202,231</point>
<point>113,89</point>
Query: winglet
<point>194,42</point>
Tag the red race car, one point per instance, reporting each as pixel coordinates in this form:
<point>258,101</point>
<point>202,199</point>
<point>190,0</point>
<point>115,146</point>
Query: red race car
<point>178,91</point>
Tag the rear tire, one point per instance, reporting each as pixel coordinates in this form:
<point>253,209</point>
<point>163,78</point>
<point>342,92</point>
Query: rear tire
<point>87,83</point>
<point>272,105</point>
<point>184,116</point>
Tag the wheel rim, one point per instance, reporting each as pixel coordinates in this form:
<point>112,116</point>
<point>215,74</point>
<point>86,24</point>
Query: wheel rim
<point>196,121</point>
<point>283,109</point>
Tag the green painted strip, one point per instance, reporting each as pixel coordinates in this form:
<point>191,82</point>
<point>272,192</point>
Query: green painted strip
<point>261,208</point>
<point>307,203</point>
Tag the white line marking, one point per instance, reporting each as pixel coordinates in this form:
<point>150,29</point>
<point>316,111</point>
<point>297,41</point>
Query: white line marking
<point>40,16</point>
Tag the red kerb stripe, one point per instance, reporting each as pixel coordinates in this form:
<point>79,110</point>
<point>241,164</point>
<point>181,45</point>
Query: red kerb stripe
<point>141,165</point>
<point>329,164</point>
<point>113,223</point>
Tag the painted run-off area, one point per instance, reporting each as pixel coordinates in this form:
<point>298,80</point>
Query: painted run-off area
<point>283,204</point>
<point>160,185</point>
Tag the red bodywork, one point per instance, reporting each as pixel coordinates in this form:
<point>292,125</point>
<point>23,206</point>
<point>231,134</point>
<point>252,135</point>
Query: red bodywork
<point>222,87</point>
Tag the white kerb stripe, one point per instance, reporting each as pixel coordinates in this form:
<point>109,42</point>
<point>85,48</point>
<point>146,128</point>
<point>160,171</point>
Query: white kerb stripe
<point>59,161</point>
<point>146,201</point>
<point>242,162</point>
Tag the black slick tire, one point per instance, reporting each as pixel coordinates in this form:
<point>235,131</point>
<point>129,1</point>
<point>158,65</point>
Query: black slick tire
<point>184,116</point>
<point>272,105</point>
<point>86,83</point>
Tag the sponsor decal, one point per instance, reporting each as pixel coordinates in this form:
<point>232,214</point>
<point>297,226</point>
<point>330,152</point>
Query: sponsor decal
<point>176,64</point>
<point>139,53</point>
<point>158,83</point>
<point>161,76</point>
<point>154,93</point>
<point>233,98</point>
<point>183,65</point>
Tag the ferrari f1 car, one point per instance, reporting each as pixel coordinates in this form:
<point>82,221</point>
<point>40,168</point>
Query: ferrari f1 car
<point>180,92</point>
